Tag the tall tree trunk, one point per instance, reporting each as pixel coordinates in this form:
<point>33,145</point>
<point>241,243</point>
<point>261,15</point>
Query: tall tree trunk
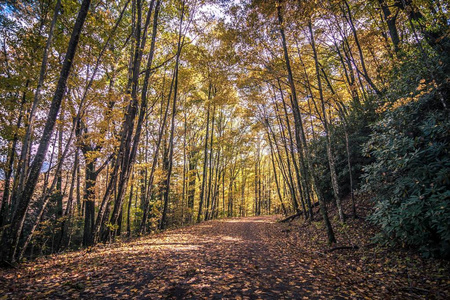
<point>26,144</point>
<point>300,137</point>
<point>205,158</point>
<point>6,205</point>
<point>208,195</point>
<point>275,174</point>
<point>243,202</point>
<point>68,213</point>
<point>341,109</point>
<point>163,223</point>
<point>11,236</point>
<point>153,169</point>
<point>192,176</point>
<point>184,189</point>
<point>353,89</point>
<point>129,143</point>
<point>390,21</point>
<point>129,206</point>
<point>289,176</point>
<point>230,197</point>
<point>334,180</point>
<point>300,134</point>
<point>361,56</point>
<point>41,204</point>
<point>89,203</point>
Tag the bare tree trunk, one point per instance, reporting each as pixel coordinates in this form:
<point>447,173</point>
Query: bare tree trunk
<point>183,193</point>
<point>341,109</point>
<point>302,181</point>
<point>154,163</point>
<point>334,181</point>
<point>289,177</point>
<point>350,79</point>
<point>41,203</point>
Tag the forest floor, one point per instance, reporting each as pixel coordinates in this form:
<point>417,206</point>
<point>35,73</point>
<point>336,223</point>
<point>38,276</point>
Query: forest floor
<point>240,258</point>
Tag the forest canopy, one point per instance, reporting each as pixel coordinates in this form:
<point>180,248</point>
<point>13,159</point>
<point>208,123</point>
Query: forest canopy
<point>123,118</point>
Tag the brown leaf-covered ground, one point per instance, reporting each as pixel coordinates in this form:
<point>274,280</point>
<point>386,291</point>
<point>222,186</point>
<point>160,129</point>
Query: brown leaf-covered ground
<point>243,258</point>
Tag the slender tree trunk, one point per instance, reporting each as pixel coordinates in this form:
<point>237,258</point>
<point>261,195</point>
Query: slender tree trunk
<point>11,236</point>
<point>183,193</point>
<point>59,194</point>
<point>341,109</point>
<point>243,185</point>
<point>6,205</point>
<point>289,176</point>
<point>129,206</point>
<point>361,56</point>
<point>205,158</point>
<point>153,169</point>
<point>300,134</point>
<point>192,175</point>
<point>334,180</point>
<point>211,151</point>
<point>129,143</point>
<point>353,89</point>
<point>68,213</point>
<point>23,162</point>
<point>286,178</point>
<point>298,123</point>
<point>89,203</point>
<point>41,204</point>
<point>230,198</point>
<point>275,174</point>
<point>163,223</point>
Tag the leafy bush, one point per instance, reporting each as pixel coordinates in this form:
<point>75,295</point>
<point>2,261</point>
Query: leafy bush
<point>410,176</point>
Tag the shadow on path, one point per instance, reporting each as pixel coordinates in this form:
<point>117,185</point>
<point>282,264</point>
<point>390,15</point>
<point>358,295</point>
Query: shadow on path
<point>222,259</point>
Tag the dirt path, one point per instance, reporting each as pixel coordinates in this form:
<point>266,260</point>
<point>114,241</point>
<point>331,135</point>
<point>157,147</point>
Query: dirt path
<point>248,258</point>
<point>218,259</point>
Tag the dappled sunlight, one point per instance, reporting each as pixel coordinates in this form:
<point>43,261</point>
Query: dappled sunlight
<point>245,256</point>
<point>252,220</point>
<point>204,226</point>
<point>231,239</point>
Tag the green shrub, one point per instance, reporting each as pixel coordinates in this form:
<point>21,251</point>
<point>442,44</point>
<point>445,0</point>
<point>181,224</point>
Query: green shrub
<point>410,176</point>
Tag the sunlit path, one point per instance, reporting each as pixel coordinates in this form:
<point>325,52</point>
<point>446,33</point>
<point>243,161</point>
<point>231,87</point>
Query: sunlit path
<point>242,258</point>
<point>231,258</point>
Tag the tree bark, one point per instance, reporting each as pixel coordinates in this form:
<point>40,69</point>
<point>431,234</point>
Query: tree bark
<point>275,174</point>
<point>361,56</point>
<point>334,180</point>
<point>300,134</point>
<point>205,157</point>
<point>163,223</point>
<point>11,236</point>
<point>211,151</point>
<point>23,162</point>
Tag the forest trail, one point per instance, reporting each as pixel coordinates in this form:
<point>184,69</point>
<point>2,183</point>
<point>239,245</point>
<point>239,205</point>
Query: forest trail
<point>240,258</point>
<point>233,258</point>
